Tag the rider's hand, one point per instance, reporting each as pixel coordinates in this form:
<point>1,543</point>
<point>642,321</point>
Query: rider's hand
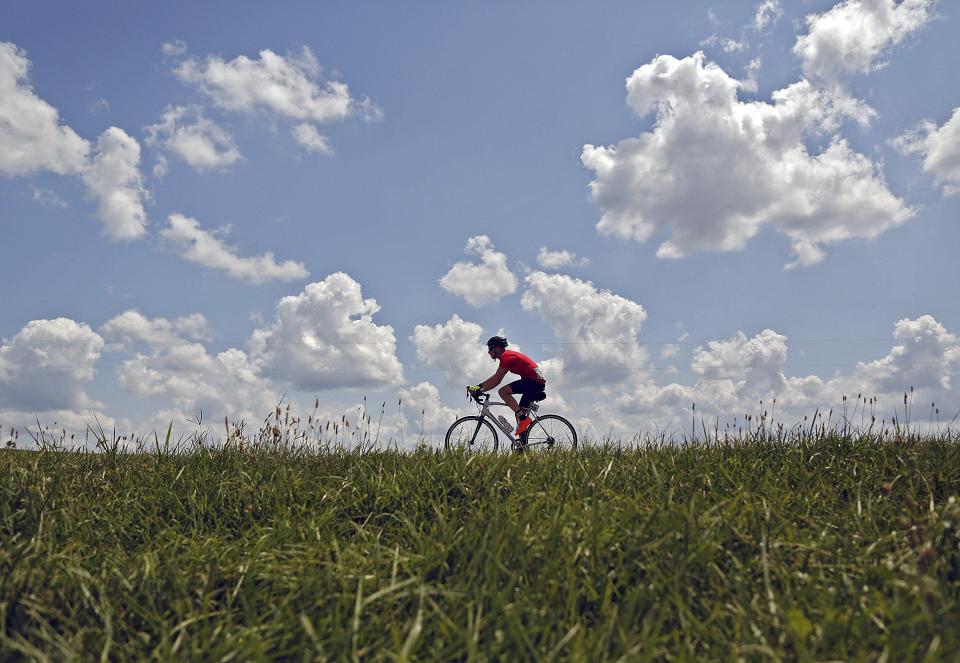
<point>474,389</point>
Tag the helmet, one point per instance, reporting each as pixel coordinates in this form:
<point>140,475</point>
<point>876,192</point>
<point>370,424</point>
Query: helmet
<point>497,342</point>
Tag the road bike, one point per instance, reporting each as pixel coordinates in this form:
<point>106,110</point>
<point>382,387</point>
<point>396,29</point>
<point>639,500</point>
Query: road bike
<point>479,432</point>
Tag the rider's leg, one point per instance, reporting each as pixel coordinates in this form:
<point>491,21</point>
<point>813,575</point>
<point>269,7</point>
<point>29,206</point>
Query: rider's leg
<point>506,393</point>
<point>523,416</point>
<point>525,401</point>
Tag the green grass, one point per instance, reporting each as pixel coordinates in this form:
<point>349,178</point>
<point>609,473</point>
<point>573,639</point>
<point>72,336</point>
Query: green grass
<point>827,547</point>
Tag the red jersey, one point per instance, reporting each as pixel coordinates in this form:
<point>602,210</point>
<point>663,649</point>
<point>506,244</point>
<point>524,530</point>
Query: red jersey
<point>521,365</point>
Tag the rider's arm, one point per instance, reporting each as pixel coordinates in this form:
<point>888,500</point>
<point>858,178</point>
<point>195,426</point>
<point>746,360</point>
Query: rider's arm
<point>494,379</point>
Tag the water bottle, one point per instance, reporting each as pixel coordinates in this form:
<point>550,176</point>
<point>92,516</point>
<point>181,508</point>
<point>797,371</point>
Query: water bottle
<point>506,424</point>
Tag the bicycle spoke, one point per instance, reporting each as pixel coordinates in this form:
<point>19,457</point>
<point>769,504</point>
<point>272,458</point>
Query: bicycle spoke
<point>472,434</point>
<point>552,432</point>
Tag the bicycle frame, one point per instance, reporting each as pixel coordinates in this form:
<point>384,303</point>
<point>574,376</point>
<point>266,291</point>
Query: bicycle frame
<point>483,404</point>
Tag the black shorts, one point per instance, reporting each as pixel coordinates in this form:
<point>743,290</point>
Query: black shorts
<point>531,390</point>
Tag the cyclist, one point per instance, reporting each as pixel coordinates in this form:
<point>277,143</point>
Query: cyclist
<point>531,384</point>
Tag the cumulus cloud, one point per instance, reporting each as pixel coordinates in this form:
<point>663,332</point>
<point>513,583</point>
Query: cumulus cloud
<point>325,338</point>
<point>291,87</point>
<point>456,348</point>
<point>754,365</point>
<point>733,377</point>
<point>715,170</point>
<point>33,140</point>
<point>31,136</point>
<point>186,132</point>
<point>202,247</point>
<point>132,327</point>
<point>168,362</point>
<point>927,357</point>
<point>113,179</point>
<point>740,375</point>
<point>45,366</point>
<point>940,149</point>
<point>424,411</point>
<point>552,370</point>
<point>558,259</point>
<point>851,36</point>
<point>596,329</point>
<point>481,283</point>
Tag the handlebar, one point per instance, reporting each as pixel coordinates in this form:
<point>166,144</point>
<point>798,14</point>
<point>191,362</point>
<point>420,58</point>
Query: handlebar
<point>478,396</point>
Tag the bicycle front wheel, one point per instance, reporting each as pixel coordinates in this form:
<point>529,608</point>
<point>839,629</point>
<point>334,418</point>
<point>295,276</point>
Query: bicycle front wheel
<point>551,431</point>
<point>472,433</point>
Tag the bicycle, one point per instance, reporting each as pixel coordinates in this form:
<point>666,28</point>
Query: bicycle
<point>478,432</point>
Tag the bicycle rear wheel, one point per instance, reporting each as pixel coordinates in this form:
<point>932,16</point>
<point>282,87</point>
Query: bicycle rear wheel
<point>472,433</point>
<point>551,432</point>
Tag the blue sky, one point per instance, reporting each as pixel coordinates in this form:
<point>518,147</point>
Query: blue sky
<point>393,136</point>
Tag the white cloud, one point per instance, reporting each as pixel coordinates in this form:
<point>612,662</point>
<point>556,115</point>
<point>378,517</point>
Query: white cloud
<point>291,87</point>
<point>552,370</point>
<point>743,374</point>
<point>767,14</point>
<point>199,141</point>
<point>308,136</point>
<point>481,283</point>
<point>425,413</point>
<point>851,36</point>
<point>31,136</point>
<point>669,350</point>
<point>174,48</point>
<point>558,259</point>
<point>133,327</point>
<point>456,348</point>
<point>596,329</point>
<point>33,140</point>
<point>287,86</point>
<point>325,338</point>
<point>754,364</point>
<point>735,375</point>
<point>113,178</point>
<point>733,378</point>
<point>194,327</point>
<point>161,167</point>
<point>715,170</point>
<point>728,45</point>
<point>99,105</point>
<point>202,247</point>
<point>927,357</point>
<point>175,367</point>
<point>46,364</point>
<point>749,84</point>
<point>940,149</point>
<point>48,198</point>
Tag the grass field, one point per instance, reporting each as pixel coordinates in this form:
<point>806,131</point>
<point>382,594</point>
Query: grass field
<point>826,547</point>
